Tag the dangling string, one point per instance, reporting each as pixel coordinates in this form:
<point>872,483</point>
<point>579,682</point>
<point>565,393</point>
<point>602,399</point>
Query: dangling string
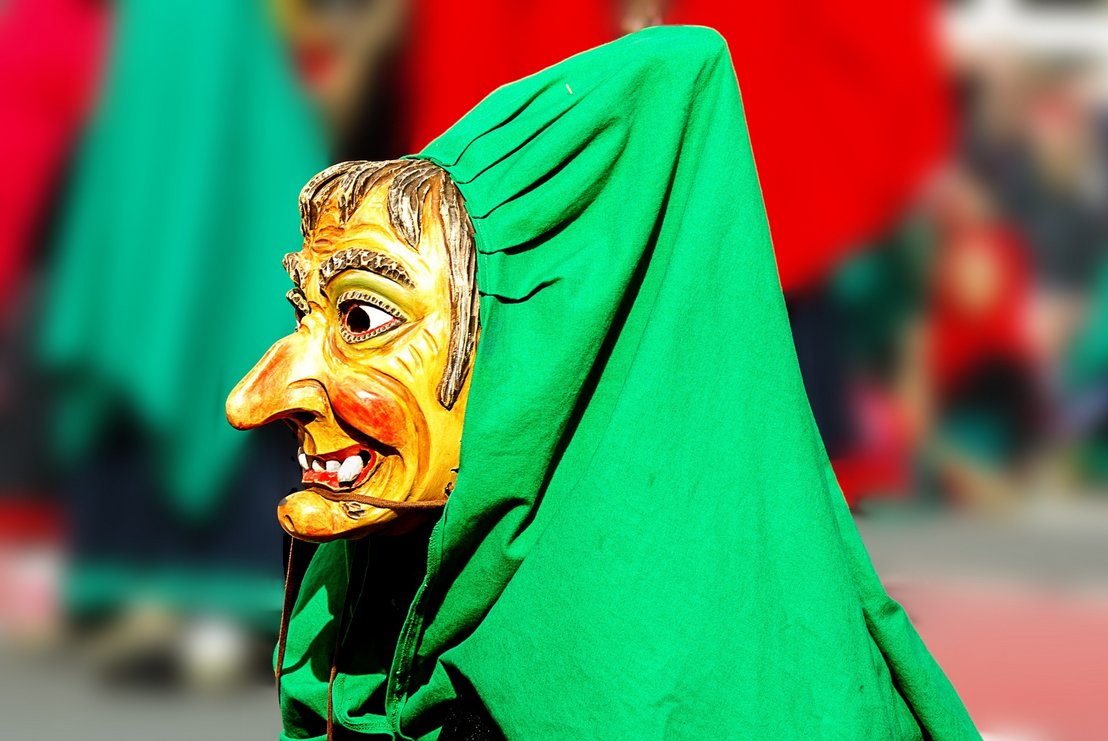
<point>282,639</point>
<point>286,615</point>
<point>383,503</point>
<point>330,696</point>
<point>349,607</point>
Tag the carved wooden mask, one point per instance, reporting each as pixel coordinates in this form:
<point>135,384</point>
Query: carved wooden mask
<point>375,376</point>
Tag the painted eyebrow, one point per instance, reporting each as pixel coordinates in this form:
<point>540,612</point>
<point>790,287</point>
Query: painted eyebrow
<point>297,298</point>
<point>362,259</point>
<point>295,268</point>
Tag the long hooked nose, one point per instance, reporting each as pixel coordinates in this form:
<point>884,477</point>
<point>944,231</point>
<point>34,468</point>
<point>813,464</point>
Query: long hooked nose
<point>284,383</point>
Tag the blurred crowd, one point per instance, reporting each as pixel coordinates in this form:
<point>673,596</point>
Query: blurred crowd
<point>976,349</point>
<point>938,197</point>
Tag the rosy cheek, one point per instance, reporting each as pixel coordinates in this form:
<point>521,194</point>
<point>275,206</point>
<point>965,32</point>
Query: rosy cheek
<point>378,416</point>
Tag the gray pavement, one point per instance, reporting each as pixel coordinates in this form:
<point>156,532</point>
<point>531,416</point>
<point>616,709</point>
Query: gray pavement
<point>1047,544</point>
<point>59,700</point>
<point>1055,544</point>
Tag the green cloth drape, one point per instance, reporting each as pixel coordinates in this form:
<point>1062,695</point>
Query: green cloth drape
<point>167,283</point>
<point>646,539</point>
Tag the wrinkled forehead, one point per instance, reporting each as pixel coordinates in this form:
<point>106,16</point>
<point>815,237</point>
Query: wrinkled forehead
<point>370,224</point>
<point>368,240</point>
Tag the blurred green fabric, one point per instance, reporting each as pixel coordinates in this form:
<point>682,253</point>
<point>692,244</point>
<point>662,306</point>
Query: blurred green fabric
<point>879,291</point>
<point>646,539</point>
<point>1087,357</point>
<point>167,284</point>
<point>1086,376</point>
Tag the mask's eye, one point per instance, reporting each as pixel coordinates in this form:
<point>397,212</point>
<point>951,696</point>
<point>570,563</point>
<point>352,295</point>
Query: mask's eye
<point>364,315</point>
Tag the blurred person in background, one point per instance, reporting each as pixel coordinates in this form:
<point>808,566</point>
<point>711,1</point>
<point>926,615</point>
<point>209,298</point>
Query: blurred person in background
<point>346,54</point>
<point>981,366</point>
<point>943,372</point>
<point>388,75</point>
<point>1036,137</point>
<point>48,82</point>
<point>1038,144</point>
<point>879,294</point>
<point>159,294</point>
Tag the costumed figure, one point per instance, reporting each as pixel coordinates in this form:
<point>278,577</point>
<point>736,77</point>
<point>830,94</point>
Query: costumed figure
<point>560,476</point>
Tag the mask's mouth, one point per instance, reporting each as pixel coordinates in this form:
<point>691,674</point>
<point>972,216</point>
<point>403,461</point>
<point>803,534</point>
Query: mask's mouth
<point>344,492</point>
<point>339,471</point>
<point>333,503</point>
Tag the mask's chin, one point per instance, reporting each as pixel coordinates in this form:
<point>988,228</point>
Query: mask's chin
<point>316,516</point>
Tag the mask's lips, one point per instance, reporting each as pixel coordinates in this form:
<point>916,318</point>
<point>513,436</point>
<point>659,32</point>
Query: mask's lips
<point>339,471</point>
<point>331,505</point>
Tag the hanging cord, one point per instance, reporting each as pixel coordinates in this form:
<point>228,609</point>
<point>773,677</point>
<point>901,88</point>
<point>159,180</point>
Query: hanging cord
<point>383,503</point>
<point>350,604</point>
<point>330,696</point>
<point>282,640</point>
<point>286,614</point>
<point>282,635</point>
<point>335,670</point>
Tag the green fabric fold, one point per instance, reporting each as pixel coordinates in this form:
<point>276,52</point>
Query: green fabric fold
<point>646,539</point>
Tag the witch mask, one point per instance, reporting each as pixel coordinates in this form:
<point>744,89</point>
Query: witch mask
<point>374,378</point>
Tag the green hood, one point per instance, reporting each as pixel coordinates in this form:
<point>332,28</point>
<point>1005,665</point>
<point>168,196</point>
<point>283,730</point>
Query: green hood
<point>646,539</point>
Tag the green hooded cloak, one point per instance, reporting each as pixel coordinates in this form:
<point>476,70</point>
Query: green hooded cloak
<point>646,539</point>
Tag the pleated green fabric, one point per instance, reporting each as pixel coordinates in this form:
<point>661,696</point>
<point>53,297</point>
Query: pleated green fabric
<point>646,540</point>
<point>167,283</point>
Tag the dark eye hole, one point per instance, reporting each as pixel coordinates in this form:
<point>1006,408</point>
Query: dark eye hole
<point>358,319</point>
<point>364,316</point>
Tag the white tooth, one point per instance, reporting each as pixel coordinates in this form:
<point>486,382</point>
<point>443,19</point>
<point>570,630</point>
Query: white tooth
<point>333,466</point>
<point>302,459</point>
<point>350,468</point>
<point>317,466</point>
